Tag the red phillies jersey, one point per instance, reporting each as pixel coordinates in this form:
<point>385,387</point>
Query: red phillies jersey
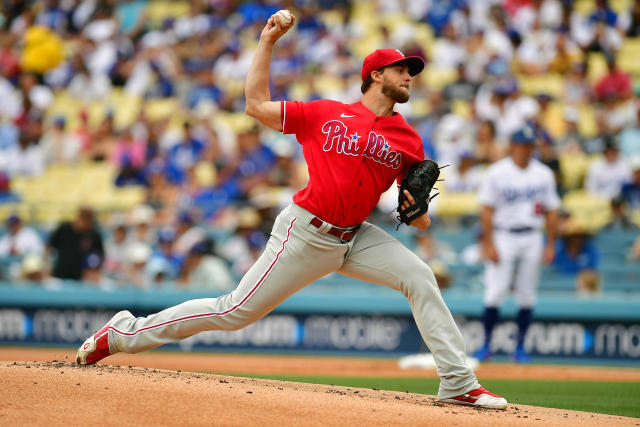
<point>353,156</point>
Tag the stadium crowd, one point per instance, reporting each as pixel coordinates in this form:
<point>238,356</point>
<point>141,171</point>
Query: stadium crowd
<point>213,180</point>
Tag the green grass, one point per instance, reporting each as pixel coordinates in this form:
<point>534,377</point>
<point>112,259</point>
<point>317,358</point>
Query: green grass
<point>615,398</point>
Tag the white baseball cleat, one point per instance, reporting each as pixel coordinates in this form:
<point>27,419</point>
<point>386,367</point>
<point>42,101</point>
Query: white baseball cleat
<point>480,397</point>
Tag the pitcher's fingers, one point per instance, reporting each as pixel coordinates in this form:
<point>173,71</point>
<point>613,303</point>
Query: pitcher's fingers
<point>409,197</point>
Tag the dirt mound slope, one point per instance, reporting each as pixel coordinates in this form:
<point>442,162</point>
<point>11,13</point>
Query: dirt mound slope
<point>288,364</point>
<point>62,393</point>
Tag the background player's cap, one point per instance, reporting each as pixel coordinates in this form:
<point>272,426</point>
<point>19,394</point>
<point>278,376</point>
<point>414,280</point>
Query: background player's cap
<point>524,136</point>
<point>382,57</point>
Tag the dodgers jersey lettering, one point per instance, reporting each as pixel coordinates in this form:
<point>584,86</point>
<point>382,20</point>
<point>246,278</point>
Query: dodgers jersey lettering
<point>353,156</point>
<point>519,196</point>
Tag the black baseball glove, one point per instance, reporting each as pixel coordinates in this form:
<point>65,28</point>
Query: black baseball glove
<point>419,181</point>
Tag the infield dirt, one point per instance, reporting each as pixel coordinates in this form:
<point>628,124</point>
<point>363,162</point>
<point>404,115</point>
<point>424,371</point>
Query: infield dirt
<point>49,389</point>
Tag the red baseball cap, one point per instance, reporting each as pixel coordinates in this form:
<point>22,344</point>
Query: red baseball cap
<point>382,57</point>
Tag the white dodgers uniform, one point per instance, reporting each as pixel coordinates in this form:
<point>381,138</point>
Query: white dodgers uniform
<point>519,198</point>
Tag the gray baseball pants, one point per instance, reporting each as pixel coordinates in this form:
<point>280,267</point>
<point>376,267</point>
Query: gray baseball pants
<point>296,255</point>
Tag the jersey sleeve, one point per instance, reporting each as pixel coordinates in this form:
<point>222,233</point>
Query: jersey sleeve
<point>416,155</point>
<point>294,117</point>
<point>487,193</point>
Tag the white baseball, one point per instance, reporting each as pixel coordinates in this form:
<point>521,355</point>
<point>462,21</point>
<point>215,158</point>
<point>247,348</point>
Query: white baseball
<point>285,17</point>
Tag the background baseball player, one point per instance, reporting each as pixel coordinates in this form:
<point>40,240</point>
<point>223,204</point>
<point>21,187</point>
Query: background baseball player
<point>518,196</point>
<point>354,153</point>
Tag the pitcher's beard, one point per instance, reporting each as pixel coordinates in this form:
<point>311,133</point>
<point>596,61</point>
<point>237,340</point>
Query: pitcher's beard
<point>394,93</point>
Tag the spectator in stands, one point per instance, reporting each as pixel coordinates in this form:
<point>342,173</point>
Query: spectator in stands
<point>161,84</point>
<point>142,220</point>
<point>72,243</point>
<point>548,155</point>
<point>634,25</point>
<point>131,16</point>
<point>92,272</point>
<point>477,57</point>
<point>20,240</point>
<point>26,159</point>
<point>453,137</point>
<point>240,249</point>
<point>465,177</point>
<point>58,145</point>
<point>33,269</point>
<point>85,85</point>
<point>129,149</point>
<point>250,168</point>
<point>9,132</point>
<point>616,82</point>
<point>427,125</point>
<point>205,90</point>
<point>129,156</point>
<point>601,32</point>
<point>164,260</point>
<point>6,196</point>
<point>588,283</point>
<point>614,114</point>
<point>202,269</point>
<point>539,48</point>
<point>116,249</point>
<point>608,174</point>
<point>9,59</point>
<point>134,271</point>
<point>103,139</point>
<point>448,50</point>
<point>160,192</point>
<point>567,53</point>
<point>576,89</point>
<point>631,190</point>
<point>573,142</point>
<point>576,255</point>
<point>184,155</point>
<point>547,117</point>
<point>130,175</point>
<point>620,220</point>
<point>461,88</point>
<point>83,134</point>
<point>487,150</point>
<point>629,137</point>
<point>188,234</point>
<point>496,33</point>
<point>506,107</point>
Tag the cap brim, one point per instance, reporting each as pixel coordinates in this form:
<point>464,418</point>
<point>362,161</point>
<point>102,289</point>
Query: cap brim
<point>415,64</point>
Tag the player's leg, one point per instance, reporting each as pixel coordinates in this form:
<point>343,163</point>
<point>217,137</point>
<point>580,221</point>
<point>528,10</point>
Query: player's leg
<point>377,257</point>
<point>497,278</point>
<point>295,256</point>
<point>526,285</point>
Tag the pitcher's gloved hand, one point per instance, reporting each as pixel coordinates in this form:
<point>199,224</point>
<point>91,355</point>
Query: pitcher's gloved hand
<point>419,182</point>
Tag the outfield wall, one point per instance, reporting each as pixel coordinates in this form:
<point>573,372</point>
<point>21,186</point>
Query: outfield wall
<point>335,315</point>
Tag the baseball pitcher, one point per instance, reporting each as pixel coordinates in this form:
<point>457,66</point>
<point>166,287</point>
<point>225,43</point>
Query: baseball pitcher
<point>354,153</point>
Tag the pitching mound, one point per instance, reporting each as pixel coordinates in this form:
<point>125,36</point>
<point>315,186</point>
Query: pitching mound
<point>61,393</point>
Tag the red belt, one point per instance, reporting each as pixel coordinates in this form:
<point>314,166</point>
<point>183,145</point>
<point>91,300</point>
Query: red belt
<point>344,234</point>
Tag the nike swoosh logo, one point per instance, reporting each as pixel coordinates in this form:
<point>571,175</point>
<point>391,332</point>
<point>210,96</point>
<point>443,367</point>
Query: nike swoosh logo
<point>346,115</point>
